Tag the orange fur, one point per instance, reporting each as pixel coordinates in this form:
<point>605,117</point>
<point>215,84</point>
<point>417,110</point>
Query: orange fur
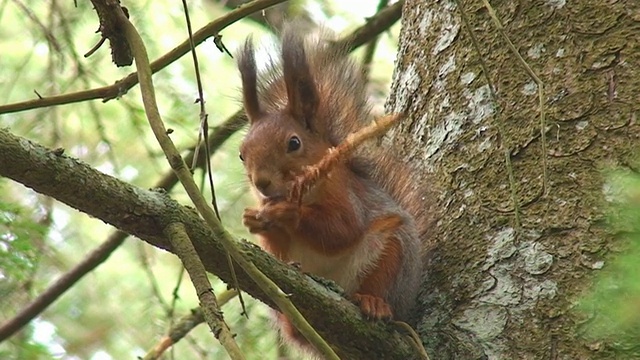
<point>327,225</point>
<point>370,295</point>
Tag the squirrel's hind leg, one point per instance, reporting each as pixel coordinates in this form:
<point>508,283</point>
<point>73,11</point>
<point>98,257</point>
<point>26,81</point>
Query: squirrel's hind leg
<point>374,287</point>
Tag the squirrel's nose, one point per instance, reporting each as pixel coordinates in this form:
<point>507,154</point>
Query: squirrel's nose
<point>263,184</point>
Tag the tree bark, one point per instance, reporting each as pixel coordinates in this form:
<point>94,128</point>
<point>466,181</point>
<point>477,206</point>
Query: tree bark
<point>493,289</point>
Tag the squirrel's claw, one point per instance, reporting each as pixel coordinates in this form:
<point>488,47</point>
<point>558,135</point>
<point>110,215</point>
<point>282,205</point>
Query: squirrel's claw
<point>254,222</point>
<point>373,307</point>
<point>282,213</point>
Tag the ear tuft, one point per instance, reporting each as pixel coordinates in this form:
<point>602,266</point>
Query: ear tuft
<point>248,73</point>
<point>302,93</point>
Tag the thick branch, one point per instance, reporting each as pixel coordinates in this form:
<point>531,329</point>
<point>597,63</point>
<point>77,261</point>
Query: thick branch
<point>102,252</point>
<point>110,28</point>
<point>144,213</point>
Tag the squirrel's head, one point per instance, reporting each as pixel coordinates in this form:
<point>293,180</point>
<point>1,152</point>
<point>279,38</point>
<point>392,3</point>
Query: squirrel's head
<point>275,150</point>
<point>286,135</point>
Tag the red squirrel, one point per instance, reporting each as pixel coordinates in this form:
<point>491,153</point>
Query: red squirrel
<point>360,226</point>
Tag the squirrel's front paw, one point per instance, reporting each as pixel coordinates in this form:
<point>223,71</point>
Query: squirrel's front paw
<point>373,307</point>
<point>283,213</point>
<point>254,222</point>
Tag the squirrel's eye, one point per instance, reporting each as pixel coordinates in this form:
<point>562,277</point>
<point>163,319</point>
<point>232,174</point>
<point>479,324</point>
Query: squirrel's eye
<point>294,144</point>
<point>240,156</point>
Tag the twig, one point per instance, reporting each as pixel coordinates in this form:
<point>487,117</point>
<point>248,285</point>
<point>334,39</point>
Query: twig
<point>370,50</point>
<point>506,144</point>
<point>539,83</point>
<point>175,295</point>
<point>377,24</point>
<point>229,127</point>
<point>178,165</point>
<point>100,254</point>
<point>417,342</point>
<point>155,288</point>
<point>204,133</point>
<point>48,34</point>
<point>121,86</point>
<point>177,235</point>
<point>61,285</point>
<point>204,125</point>
<point>138,211</point>
<point>184,325</point>
<point>339,153</point>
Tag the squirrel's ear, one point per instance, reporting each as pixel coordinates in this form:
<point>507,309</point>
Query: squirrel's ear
<point>248,73</point>
<point>301,88</point>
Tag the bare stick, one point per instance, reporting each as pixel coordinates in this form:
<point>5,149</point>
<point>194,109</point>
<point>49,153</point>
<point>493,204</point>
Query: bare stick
<point>184,175</point>
<point>374,26</point>
<point>64,283</point>
<point>183,326</point>
<point>532,74</point>
<point>121,86</point>
<point>334,155</point>
<point>506,142</point>
<point>177,235</point>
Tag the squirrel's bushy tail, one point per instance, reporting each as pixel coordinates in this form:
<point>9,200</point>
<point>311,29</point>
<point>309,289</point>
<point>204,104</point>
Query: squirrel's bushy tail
<point>400,182</point>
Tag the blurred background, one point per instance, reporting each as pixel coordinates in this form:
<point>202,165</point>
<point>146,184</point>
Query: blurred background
<point>123,308</point>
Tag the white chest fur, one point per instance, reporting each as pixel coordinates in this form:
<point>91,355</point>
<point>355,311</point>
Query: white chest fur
<point>346,269</point>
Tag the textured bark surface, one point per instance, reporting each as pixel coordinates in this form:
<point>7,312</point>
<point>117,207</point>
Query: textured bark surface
<point>493,290</point>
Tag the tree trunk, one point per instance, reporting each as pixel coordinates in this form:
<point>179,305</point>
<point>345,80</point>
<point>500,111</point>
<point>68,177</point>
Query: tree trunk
<point>502,276</point>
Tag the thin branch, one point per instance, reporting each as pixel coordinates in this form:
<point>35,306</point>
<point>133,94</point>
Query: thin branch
<point>184,325</point>
<point>177,235</point>
<point>370,50</point>
<point>184,175</point>
<point>175,295</point>
<point>372,28</point>
<point>376,25</point>
<point>204,133</point>
<point>339,153</point>
<point>204,124</point>
<point>155,288</point>
<point>532,74</point>
<point>123,85</point>
<point>48,34</point>
<point>66,281</point>
<point>100,254</point>
<point>141,212</point>
<point>506,142</point>
<point>270,19</point>
<point>417,342</point>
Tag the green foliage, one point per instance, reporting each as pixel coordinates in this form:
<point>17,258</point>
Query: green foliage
<point>20,234</point>
<point>612,306</point>
<point>18,255</point>
<point>25,350</point>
